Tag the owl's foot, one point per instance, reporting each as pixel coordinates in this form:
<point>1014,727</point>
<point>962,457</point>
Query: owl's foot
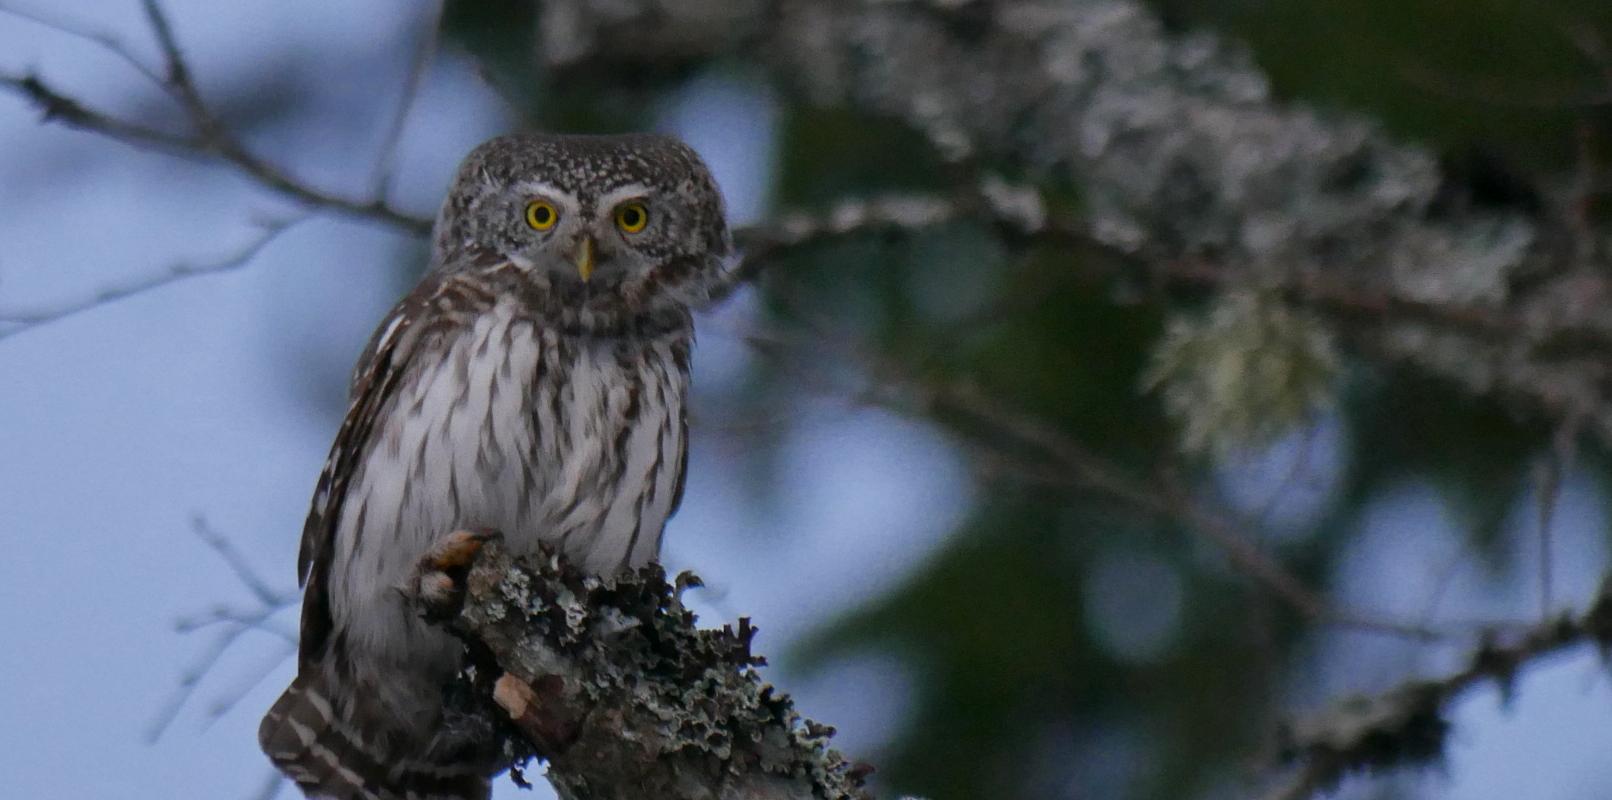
<point>455,551</point>
<point>438,580</point>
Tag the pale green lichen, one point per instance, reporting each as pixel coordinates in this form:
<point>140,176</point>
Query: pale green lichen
<point>1244,373</point>
<point>647,702</point>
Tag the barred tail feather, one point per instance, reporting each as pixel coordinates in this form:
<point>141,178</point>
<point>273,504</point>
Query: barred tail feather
<point>329,759</point>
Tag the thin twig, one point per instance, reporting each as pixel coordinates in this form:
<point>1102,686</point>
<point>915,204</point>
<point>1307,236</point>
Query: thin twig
<point>1031,448</point>
<point>102,39</point>
<point>60,108</point>
<point>209,138</point>
<point>1406,725</point>
<point>178,72</point>
<point>225,549</point>
<point>270,788</point>
<point>1548,485</point>
<point>230,616</point>
<point>233,697</point>
<point>235,623</point>
<point>15,321</point>
<point>1556,463</point>
<point>424,51</point>
<point>1443,577</point>
<point>190,680</point>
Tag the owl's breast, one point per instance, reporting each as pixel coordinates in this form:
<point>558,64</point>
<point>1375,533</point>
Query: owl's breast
<point>544,436</point>
<point>609,426</point>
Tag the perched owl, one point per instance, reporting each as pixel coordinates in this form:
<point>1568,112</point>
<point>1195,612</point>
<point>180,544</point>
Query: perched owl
<point>533,383</point>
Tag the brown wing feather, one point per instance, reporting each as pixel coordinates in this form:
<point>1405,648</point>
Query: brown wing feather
<point>375,379</point>
<point>682,467</point>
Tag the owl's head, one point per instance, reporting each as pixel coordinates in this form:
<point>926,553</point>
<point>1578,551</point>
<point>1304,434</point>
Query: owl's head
<point>618,224</point>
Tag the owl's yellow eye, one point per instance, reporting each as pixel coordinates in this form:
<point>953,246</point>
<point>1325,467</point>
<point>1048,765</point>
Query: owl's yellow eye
<point>541,215</point>
<point>632,217</point>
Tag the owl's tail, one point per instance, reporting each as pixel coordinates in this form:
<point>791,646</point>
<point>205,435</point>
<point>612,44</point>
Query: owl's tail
<point>329,758</point>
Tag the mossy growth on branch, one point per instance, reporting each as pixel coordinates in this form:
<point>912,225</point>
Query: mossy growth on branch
<point>612,683</point>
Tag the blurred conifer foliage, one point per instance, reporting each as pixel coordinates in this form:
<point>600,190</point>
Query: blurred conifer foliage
<point>1101,383</point>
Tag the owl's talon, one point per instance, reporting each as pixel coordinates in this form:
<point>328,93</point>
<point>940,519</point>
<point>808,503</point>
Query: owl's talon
<point>435,590</point>
<point>454,551</point>
<point>439,576</point>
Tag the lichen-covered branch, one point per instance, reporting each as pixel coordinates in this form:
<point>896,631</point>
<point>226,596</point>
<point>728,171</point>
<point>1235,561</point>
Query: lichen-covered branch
<point>1406,725</point>
<point>611,683</point>
<point>1180,155</point>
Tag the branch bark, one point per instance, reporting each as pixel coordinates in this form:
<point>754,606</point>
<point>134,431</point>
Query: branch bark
<point>611,683</point>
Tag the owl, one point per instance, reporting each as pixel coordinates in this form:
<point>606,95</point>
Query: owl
<point>534,383</point>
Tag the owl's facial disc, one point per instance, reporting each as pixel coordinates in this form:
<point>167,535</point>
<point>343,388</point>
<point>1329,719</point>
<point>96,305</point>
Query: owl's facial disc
<point>623,223</point>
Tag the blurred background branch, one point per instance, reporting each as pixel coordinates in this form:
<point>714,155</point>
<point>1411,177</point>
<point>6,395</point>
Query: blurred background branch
<point>206,136</point>
<point>1407,725</point>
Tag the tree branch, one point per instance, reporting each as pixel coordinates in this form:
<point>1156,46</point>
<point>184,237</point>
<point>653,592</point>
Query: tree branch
<point>1021,214</point>
<point>1182,157</point>
<point>612,684</point>
<point>1406,725</point>
<point>209,136</point>
<point>1429,288</point>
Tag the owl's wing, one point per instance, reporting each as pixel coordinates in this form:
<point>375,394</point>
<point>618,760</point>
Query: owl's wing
<point>379,369</point>
<point>682,468</point>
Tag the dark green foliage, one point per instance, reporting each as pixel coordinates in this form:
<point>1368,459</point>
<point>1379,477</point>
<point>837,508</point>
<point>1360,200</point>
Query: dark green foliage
<point>501,35</point>
<point>996,627</point>
<point>1495,80</point>
<point>1405,426</point>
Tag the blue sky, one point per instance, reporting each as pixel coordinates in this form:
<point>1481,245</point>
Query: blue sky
<point>213,396</point>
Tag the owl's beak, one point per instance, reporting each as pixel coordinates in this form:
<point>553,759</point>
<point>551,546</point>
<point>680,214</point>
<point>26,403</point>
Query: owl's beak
<point>584,257</point>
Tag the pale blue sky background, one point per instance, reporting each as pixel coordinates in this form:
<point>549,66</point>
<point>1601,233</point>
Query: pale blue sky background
<point>215,397</point>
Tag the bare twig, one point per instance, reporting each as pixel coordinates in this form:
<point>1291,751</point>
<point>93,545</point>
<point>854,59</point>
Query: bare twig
<point>209,136</point>
<point>14,321</point>
<point>60,108</point>
<point>1017,212</point>
<point>1163,497</point>
<point>102,39</point>
<point>1406,725</point>
<point>225,549</point>
<point>232,697</point>
<point>190,680</point>
<point>1034,450</point>
<point>178,76</point>
<point>234,622</point>
<point>270,788</point>
<point>424,51</point>
<point>1548,484</point>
